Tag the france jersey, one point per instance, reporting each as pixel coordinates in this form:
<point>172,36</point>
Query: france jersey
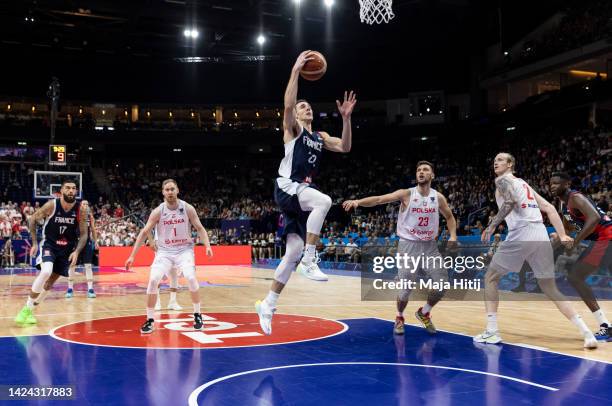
<point>61,229</point>
<point>60,235</point>
<point>302,157</point>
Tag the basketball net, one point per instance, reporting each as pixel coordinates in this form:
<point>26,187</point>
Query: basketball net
<point>375,11</point>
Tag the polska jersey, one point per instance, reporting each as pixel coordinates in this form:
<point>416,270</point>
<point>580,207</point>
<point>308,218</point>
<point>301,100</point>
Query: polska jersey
<point>173,231</point>
<point>61,229</point>
<point>526,211</point>
<point>603,229</point>
<point>420,221</point>
<point>302,157</point>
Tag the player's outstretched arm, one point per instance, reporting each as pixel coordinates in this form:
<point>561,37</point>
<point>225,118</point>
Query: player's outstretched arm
<point>146,230</point>
<point>197,224</point>
<point>446,211</point>
<point>40,214</point>
<point>345,108</point>
<point>290,124</point>
<point>504,187</point>
<point>402,195</point>
<point>554,218</point>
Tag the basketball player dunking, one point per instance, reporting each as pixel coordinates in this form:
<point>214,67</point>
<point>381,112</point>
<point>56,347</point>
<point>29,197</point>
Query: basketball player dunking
<point>593,226</point>
<point>303,206</point>
<point>172,221</point>
<point>65,224</point>
<point>86,258</point>
<point>527,240</point>
<point>417,227</point>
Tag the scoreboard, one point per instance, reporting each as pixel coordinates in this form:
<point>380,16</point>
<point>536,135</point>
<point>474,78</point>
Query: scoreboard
<point>57,155</point>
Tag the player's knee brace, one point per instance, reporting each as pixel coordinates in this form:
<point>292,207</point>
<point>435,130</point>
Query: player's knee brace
<point>325,202</point>
<point>295,246</point>
<point>46,268</point>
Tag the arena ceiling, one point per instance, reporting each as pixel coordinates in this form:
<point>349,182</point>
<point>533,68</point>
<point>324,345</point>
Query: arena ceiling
<point>136,50</point>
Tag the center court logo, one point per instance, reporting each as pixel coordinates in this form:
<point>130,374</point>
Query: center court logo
<point>221,330</point>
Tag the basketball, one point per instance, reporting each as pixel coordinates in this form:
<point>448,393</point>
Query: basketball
<point>316,68</point>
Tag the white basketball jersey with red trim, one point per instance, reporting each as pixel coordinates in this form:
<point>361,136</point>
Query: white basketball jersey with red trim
<point>419,222</point>
<point>526,210</point>
<point>173,231</point>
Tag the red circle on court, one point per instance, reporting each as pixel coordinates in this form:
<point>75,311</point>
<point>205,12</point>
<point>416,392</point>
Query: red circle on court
<point>221,330</point>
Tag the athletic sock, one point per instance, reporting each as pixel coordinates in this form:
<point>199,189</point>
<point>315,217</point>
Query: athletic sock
<point>271,299</point>
<point>30,303</point>
<point>577,320</point>
<point>426,308</point>
<point>150,313</point>
<point>172,297</point>
<point>601,317</point>
<point>309,253</point>
<point>492,322</point>
<point>196,308</point>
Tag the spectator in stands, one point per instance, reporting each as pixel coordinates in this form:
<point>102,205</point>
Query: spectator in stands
<point>352,251</point>
<point>8,254</point>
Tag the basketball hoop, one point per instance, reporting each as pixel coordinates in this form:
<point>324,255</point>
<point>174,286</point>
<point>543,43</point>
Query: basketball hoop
<point>375,11</point>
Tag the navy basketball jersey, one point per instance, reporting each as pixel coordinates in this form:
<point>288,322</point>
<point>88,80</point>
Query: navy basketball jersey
<point>302,157</point>
<point>603,230</point>
<point>62,228</point>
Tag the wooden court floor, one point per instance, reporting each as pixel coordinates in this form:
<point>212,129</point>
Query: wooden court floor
<point>235,288</point>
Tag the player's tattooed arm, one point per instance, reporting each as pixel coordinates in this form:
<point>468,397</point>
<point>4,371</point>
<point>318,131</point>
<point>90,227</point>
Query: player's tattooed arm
<point>504,188</point>
<point>555,220</point>
<point>83,237</point>
<point>40,214</point>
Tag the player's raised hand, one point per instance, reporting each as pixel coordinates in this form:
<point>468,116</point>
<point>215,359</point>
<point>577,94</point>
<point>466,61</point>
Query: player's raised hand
<point>301,60</point>
<point>350,204</point>
<point>209,251</point>
<point>346,107</point>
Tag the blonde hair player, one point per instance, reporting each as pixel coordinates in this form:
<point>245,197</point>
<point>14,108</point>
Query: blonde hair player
<point>527,240</point>
<point>417,227</point>
<point>172,221</point>
<point>303,206</point>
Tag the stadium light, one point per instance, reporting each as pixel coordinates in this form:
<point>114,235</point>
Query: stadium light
<point>191,33</point>
<point>261,39</point>
<point>328,3</point>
